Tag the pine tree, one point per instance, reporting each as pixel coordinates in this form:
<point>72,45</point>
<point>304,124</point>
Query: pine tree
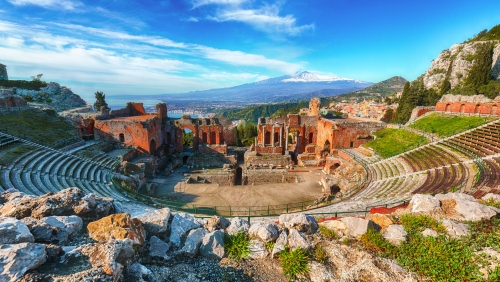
<point>100,100</point>
<point>480,71</point>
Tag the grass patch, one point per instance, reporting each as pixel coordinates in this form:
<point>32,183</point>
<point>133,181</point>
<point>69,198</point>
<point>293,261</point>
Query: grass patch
<point>440,258</point>
<point>446,125</point>
<point>15,153</point>
<point>294,263</point>
<point>36,125</point>
<point>327,233</point>
<point>391,142</point>
<point>237,246</point>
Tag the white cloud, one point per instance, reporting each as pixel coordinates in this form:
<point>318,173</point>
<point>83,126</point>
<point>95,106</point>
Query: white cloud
<point>265,19</point>
<point>123,63</point>
<point>245,59</point>
<point>198,3</point>
<point>192,19</point>
<point>49,4</point>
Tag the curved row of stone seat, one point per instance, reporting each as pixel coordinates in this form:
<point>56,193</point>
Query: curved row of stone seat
<point>42,171</point>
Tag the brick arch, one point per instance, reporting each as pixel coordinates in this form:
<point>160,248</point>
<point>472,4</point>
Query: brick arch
<point>494,110</point>
<point>476,108</point>
<point>447,108</point>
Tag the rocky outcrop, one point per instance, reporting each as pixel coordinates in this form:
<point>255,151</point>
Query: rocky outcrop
<point>181,224</point>
<point>193,242</point>
<point>395,234</point>
<point>155,222</point>
<point>16,259</point>
<point>237,224</point>
<point>158,248</point>
<point>117,226</point>
<point>212,245</point>
<point>216,223</point>
<point>424,204</point>
<point>54,229</point>
<point>53,94</point>
<point>263,231</point>
<point>458,60</point>
<point>13,231</point>
<point>69,201</point>
<point>300,221</point>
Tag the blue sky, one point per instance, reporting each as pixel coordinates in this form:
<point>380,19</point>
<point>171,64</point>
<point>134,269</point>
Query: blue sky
<point>154,47</point>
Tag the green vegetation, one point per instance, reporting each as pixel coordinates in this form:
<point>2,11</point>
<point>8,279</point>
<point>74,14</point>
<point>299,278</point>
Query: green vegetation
<point>100,101</point>
<point>446,125</point>
<point>327,233</point>
<point>24,84</point>
<point>414,94</point>
<point>294,263</point>
<point>384,88</point>
<point>246,133</point>
<point>187,138</point>
<point>391,142</point>
<point>39,126</point>
<point>493,34</point>
<point>237,246</point>
<point>320,254</point>
<point>439,258</point>
<point>13,153</point>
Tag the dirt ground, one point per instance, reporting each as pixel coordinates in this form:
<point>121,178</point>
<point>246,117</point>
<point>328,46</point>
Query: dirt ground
<point>245,195</point>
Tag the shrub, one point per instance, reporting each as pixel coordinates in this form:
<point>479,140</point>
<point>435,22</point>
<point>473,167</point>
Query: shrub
<point>270,246</point>
<point>327,233</point>
<point>237,246</point>
<point>373,241</point>
<point>418,223</point>
<point>294,263</point>
<point>320,254</point>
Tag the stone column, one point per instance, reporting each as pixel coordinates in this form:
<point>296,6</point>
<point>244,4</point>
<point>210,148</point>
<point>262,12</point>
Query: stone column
<point>281,136</point>
<point>272,136</point>
<point>286,138</point>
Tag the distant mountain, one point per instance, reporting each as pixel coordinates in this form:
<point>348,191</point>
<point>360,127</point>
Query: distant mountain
<point>279,89</point>
<point>252,113</point>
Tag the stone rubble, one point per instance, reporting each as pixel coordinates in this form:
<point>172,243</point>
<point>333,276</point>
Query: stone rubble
<point>157,246</point>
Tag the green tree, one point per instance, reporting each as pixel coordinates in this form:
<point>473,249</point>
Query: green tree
<point>187,138</point>
<point>480,71</point>
<point>100,101</point>
<point>388,116</point>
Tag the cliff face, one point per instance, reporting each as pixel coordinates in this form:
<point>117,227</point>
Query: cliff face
<point>457,61</point>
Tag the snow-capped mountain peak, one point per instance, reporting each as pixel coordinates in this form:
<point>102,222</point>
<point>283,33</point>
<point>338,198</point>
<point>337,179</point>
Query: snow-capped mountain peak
<point>306,76</point>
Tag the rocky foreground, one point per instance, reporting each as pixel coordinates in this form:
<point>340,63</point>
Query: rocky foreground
<point>70,236</point>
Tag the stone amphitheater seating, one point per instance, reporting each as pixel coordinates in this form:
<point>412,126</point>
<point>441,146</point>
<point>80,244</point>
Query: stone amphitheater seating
<point>435,167</point>
<point>45,170</point>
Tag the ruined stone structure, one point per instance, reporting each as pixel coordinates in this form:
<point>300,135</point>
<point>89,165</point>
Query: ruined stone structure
<point>154,133</point>
<point>150,133</point>
<point>208,134</point>
<point>477,104</point>
<point>309,138</point>
<point>3,72</point>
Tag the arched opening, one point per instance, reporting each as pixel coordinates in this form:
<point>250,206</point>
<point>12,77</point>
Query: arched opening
<point>351,144</point>
<point>494,110</point>
<point>276,138</point>
<point>462,108</point>
<point>239,176</point>
<point>311,135</point>
<point>167,141</point>
<point>267,138</point>
<point>334,189</point>
<point>334,167</point>
<point>184,160</point>
<point>204,138</point>
<point>152,147</point>
<point>447,108</point>
<point>476,109</point>
<point>121,137</point>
